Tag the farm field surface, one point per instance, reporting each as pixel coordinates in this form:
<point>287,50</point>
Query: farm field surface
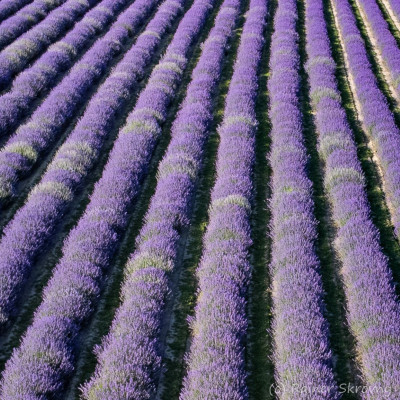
<point>200,199</point>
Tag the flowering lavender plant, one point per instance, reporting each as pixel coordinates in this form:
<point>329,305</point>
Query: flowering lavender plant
<point>31,139</point>
<point>216,365</point>
<point>45,359</point>
<point>377,120</point>
<point>17,55</point>
<point>372,308</point>
<point>393,8</point>
<point>384,42</point>
<point>24,19</point>
<point>8,7</point>
<point>27,233</point>
<point>130,356</point>
<point>302,354</point>
<point>41,76</point>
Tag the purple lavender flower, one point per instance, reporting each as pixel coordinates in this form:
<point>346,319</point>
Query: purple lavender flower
<point>216,364</point>
<point>372,308</point>
<point>129,364</point>
<point>30,83</point>
<point>45,359</point>
<point>378,122</point>
<point>302,355</point>
<point>385,42</point>
<point>30,140</point>
<point>35,222</point>
<point>24,19</point>
<point>393,8</point>
<point>17,55</point>
<point>8,7</point>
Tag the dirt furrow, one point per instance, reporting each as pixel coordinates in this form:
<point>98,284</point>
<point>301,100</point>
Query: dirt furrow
<point>259,349</point>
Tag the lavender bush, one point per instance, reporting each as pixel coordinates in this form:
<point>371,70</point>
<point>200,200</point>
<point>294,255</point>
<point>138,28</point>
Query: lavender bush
<point>302,355</point>
<point>393,8</point>
<point>24,19</point>
<point>378,121</point>
<point>31,139</point>
<point>31,83</point>
<point>16,56</point>
<point>45,359</point>
<point>372,308</point>
<point>8,7</point>
<point>130,356</point>
<point>35,222</point>
<point>385,41</point>
<point>216,364</point>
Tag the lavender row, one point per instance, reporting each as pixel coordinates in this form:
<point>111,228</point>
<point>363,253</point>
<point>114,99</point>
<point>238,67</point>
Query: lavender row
<point>393,9</point>
<point>385,42</point>
<point>31,83</point>
<point>17,55</point>
<point>302,355</point>
<point>372,308</point>
<point>35,222</point>
<point>46,357</point>
<point>8,7</point>
<point>31,139</point>
<point>24,19</point>
<point>216,360</point>
<point>374,112</point>
<point>129,359</point>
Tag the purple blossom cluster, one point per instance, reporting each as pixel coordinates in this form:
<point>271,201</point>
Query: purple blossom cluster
<point>24,19</point>
<point>45,359</point>
<point>30,140</point>
<point>36,221</point>
<point>378,121</point>
<point>385,41</point>
<point>129,359</point>
<point>216,360</point>
<point>8,7</point>
<point>17,55</point>
<point>302,354</point>
<point>30,83</point>
<point>373,311</point>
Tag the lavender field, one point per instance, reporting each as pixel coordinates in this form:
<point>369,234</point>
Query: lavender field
<point>200,199</point>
